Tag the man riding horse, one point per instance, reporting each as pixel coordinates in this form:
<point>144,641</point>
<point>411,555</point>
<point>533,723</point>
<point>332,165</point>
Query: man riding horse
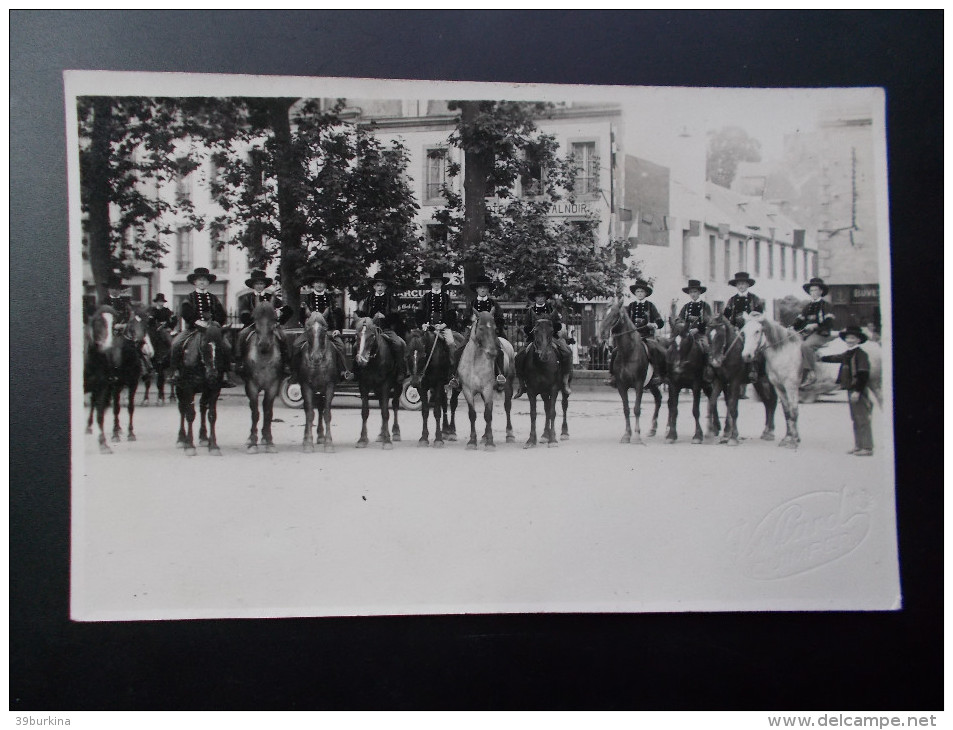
<point>697,314</point>
<point>159,315</point>
<point>381,306</point>
<point>124,311</point>
<point>483,302</point>
<point>648,321</point>
<point>258,281</point>
<point>318,298</point>
<point>740,304</point>
<point>814,323</point>
<point>542,308</point>
<point>436,310</point>
<point>199,309</point>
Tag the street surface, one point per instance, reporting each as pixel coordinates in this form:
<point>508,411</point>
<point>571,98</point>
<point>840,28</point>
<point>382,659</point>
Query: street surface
<point>591,524</point>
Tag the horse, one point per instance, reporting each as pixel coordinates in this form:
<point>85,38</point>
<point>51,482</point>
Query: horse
<point>564,434</point>
<point>122,369</point>
<point>161,340</point>
<point>477,374</point>
<point>731,377</point>
<point>630,367</point>
<point>376,370</point>
<point>262,372</point>
<point>204,363</point>
<point>429,365</point>
<point>783,363</point>
<point>542,377</point>
<point>686,365</point>
<point>318,375</point>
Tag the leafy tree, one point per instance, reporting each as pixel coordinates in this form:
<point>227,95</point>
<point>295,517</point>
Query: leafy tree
<point>129,148</point>
<point>521,244</point>
<point>726,148</point>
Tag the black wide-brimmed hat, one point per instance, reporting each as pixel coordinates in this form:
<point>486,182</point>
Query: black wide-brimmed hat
<point>483,280</point>
<point>159,298</point>
<point>816,282</point>
<point>114,281</point>
<point>853,329</point>
<point>436,276</point>
<point>257,276</point>
<point>641,284</point>
<point>694,284</point>
<point>379,278</point>
<point>316,276</point>
<point>739,277</point>
<point>540,289</point>
<point>201,271</point>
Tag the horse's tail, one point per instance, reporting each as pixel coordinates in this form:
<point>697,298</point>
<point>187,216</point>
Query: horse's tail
<point>509,357</point>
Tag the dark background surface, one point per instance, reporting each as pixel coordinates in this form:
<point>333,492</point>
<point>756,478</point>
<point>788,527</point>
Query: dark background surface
<point>692,661</point>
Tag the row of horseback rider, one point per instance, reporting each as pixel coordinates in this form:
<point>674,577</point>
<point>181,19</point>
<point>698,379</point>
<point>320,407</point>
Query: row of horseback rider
<point>436,311</point>
<point>813,323</point>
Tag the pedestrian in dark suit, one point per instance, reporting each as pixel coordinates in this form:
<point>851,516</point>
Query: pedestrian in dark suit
<point>853,377</point>
<point>159,314</point>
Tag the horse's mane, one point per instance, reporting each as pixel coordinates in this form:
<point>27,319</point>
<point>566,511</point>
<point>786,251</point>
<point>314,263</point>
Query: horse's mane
<point>617,311</point>
<point>775,334</point>
<point>315,316</point>
<point>264,309</point>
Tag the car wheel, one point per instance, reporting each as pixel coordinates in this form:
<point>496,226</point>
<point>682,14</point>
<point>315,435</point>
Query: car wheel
<point>409,397</point>
<point>290,394</point>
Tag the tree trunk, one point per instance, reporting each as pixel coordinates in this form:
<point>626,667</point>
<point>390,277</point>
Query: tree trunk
<point>96,182</point>
<point>477,167</point>
<point>291,222</point>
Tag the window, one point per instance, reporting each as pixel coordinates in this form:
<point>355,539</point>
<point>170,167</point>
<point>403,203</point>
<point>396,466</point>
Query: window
<point>587,168</point>
<point>742,256</point>
<point>435,236</point>
<point>770,260</point>
<point>183,249</point>
<point>531,177</point>
<point>183,183</point>
<point>435,173</point>
<point>218,258</point>
<point>794,263</point>
<point>757,257</point>
<point>711,257</point>
<point>781,257</point>
<point>727,259</point>
<point>806,269</point>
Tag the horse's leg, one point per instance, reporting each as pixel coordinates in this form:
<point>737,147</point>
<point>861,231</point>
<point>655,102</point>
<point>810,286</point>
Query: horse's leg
<point>268,406</point>
<point>507,407</point>
<point>189,444</point>
<point>307,442</point>
<point>251,391</point>
<point>383,396</point>
<point>699,437</point>
<point>365,412</point>
<point>203,411</point>
<point>425,404</point>
<point>99,401</point>
<point>160,386</point>
<point>488,418</point>
<point>624,395</point>
<point>325,415</point>
<point>395,408</point>
<point>731,403</point>
<point>439,400</point>
<point>92,411</point>
<point>531,441</point>
<point>212,400</point>
<point>471,411</point>
<point>181,441</point>
<point>451,431</point>
<point>671,434</point>
<point>147,382</point>
<point>116,394</point>
<point>657,395</point>
<point>565,429</point>
<point>636,437</point>
<point>133,386</point>
<point>549,403</point>
<point>713,427</point>
<point>789,401</point>
<point>318,406</point>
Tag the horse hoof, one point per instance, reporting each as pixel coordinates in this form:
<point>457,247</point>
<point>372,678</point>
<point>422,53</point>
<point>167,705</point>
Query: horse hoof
<point>203,441</point>
<point>551,444</point>
<point>423,443</point>
<point>732,442</point>
<point>564,437</point>
<point>698,440</point>
<point>438,444</point>
<point>116,438</point>
<point>651,433</point>
<point>638,442</point>
<point>104,449</point>
<point>89,429</point>
<point>395,437</point>
<point>387,446</point>
<point>670,440</point>
<point>131,437</point>
<point>767,436</point>
<point>214,451</point>
<point>471,446</point>
<point>190,451</point>
<point>379,439</point>
<point>307,448</point>
<point>625,439</point>
<point>271,449</point>
<point>510,438</point>
<point>252,448</point>
<point>490,447</point>
<point>319,440</point>
<point>361,445</point>
<point>328,447</point>
<point>529,445</point>
<point>451,437</point>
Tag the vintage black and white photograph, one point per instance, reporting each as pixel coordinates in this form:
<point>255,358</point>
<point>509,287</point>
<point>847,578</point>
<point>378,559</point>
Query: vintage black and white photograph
<point>349,347</point>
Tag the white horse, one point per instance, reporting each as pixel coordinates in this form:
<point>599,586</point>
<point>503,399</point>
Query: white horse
<point>784,362</point>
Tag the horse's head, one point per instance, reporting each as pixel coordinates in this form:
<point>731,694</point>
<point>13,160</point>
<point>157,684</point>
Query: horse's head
<point>212,352</point>
<point>718,330</point>
<point>266,320</point>
<point>316,332</point>
<point>683,352</point>
<point>368,336</point>
<point>753,334</point>
<point>543,339</point>
<point>419,345</point>
<point>137,331</point>
<point>101,329</point>
<point>483,334</point>
<point>612,320</point>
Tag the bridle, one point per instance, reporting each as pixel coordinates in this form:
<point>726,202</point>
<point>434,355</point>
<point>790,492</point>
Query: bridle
<point>738,337</point>
<point>376,335</point>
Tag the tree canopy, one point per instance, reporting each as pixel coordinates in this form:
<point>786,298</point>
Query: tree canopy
<point>726,148</point>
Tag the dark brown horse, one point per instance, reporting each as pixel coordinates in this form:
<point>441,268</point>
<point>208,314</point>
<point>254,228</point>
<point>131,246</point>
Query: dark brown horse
<point>204,363</point>
<point>428,362</point>
<point>630,368</point>
<point>161,340</point>
<point>318,374</point>
<point>686,365</point>
<point>541,374</point>
<point>376,370</point>
<point>731,377</point>
<point>114,364</point>
<point>262,372</point>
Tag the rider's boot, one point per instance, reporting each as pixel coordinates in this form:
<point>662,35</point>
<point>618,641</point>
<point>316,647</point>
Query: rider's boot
<point>611,379</point>
<point>808,378</point>
<point>285,357</point>
<point>500,383</point>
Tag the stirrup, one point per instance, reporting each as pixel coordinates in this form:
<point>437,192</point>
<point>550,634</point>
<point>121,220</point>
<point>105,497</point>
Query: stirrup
<point>501,379</point>
<point>347,375</point>
<point>453,383</point>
